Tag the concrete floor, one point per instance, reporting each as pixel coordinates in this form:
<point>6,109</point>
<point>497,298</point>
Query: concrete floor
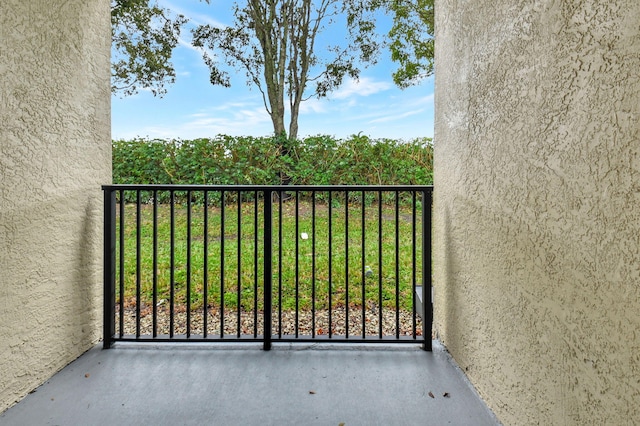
<point>242,385</point>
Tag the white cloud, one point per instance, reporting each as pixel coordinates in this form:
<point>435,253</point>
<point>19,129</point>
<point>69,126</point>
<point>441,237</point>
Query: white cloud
<point>187,45</point>
<point>429,99</point>
<point>200,19</point>
<point>230,106</point>
<point>395,117</point>
<point>421,101</point>
<point>195,18</point>
<point>229,119</point>
<point>313,106</point>
<point>365,86</point>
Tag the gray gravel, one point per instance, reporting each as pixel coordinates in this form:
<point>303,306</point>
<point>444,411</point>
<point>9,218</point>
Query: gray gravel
<point>305,323</point>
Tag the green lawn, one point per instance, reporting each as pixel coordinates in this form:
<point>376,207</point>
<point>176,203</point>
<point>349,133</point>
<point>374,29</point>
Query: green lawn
<point>336,274</point>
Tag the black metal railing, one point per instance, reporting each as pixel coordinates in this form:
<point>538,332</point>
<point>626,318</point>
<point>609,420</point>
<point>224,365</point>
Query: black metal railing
<point>267,263</point>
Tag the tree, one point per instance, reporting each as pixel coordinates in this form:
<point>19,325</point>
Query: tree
<point>274,42</point>
<point>411,39</point>
<point>143,37</point>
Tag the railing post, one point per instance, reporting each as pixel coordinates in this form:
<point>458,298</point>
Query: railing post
<point>427,306</point>
<point>268,273</point>
<point>109,267</point>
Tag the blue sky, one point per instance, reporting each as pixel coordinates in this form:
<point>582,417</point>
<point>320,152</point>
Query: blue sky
<point>194,108</point>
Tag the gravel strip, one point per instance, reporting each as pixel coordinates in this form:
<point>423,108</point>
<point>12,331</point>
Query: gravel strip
<point>305,323</point>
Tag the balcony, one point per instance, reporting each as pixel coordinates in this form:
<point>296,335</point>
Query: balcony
<point>332,282</point>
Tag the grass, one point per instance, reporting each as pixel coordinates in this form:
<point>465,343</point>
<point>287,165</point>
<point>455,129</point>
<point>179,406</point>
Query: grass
<point>329,268</point>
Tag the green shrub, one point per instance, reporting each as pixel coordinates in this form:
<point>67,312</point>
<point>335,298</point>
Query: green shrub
<point>246,160</point>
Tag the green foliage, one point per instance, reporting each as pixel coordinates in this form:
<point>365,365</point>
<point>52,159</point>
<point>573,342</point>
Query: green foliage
<point>316,160</point>
<point>274,39</point>
<point>140,162</point>
<point>143,36</point>
<point>411,39</point>
<point>360,160</point>
<point>336,272</point>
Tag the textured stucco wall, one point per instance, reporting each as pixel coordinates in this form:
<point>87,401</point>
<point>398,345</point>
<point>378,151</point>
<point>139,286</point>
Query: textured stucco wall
<point>537,205</point>
<point>55,152</point>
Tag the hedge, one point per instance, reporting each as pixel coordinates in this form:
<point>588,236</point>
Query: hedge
<point>246,160</point>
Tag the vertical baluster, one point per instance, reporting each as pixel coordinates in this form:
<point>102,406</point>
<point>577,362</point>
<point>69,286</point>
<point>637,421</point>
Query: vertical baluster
<point>427,317</point>
<point>346,261</point>
<point>397,261</point>
<point>297,260</point>
<point>109,272</point>
<point>239,269</point>
<point>121,264</point>
<point>280,264</point>
<point>138,265</point>
<point>155,266</point>
<point>255,264</point>
<point>188,264</point>
<point>268,270</point>
<point>362,271</point>
<point>380,264</point>
<point>330,260</point>
<point>413,262</point>
<point>205,265</point>
<point>313,264</point>
<point>222,240</point>
<point>172,261</point>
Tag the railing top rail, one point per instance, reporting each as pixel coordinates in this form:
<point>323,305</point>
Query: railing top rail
<point>169,187</point>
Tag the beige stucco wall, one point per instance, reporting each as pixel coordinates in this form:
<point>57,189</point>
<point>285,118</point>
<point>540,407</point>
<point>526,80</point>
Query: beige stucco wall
<point>537,205</point>
<point>55,152</point>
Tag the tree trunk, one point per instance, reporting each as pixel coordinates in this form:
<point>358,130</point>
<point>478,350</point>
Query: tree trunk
<point>277,119</point>
<point>293,125</point>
